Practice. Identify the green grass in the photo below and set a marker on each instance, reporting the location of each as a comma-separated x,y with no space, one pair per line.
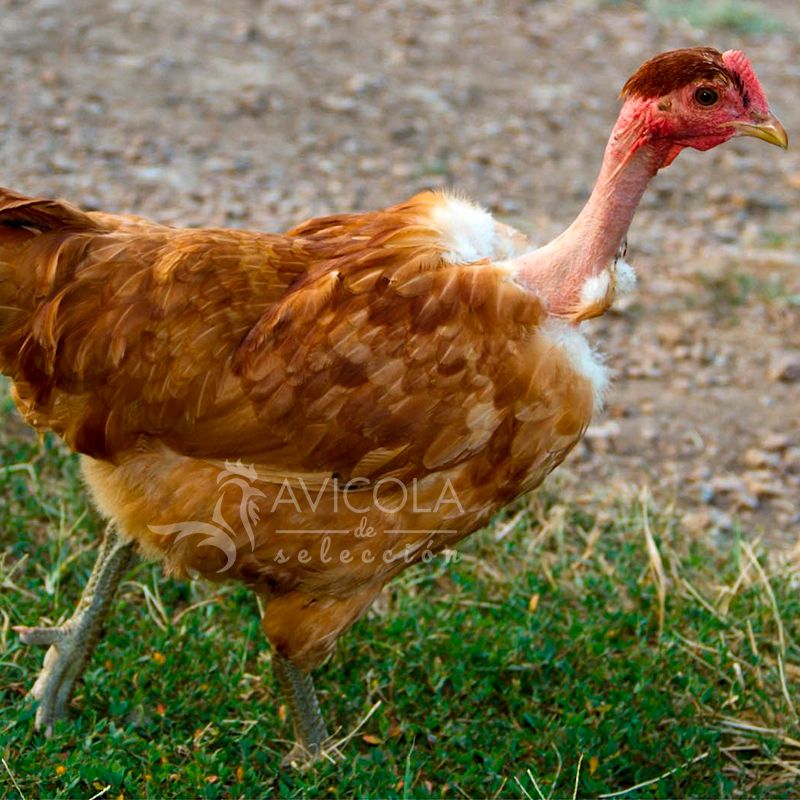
731,16
534,661
734,288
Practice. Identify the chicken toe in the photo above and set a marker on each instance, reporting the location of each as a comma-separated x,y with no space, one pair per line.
70,644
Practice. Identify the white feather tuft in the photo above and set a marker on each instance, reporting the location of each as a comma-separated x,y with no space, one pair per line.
468,232
595,288
626,277
582,356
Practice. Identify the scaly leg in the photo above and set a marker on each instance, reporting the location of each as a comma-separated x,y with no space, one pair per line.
309,727
71,644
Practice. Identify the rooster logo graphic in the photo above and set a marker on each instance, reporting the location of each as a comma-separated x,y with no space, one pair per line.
218,533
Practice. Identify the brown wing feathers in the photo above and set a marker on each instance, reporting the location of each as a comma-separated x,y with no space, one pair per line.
99,313
339,346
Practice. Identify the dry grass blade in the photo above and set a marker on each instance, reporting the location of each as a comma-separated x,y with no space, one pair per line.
509,526
558,772
525,791
179,615
155,607
770,594
785,765
760,730
535,784
577,777
728,593
7,583
499,792
483,567
785,687
778,624
335,746
5,627
22,467
761,768
703,602
655,780
553,521
586,556
656,564
703,663
13,779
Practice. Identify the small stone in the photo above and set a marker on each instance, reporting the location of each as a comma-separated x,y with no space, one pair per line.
791,460
61,164
696,522
649,431
774,442
237,211
747,500
754,458
603,430
338,103
149,174
761,484
616,411
785,367
727,484
670,334
736,489
51,77
246,32
720,519
361,82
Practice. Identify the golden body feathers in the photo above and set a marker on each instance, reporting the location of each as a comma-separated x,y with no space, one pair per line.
327,405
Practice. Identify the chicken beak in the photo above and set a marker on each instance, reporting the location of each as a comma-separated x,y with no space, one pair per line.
768,129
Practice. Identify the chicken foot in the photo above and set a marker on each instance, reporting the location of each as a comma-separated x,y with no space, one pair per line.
70,644
309,727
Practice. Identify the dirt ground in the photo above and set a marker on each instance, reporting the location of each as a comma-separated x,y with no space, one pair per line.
259,114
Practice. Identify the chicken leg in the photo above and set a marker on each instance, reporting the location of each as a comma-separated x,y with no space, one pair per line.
309,727
71,643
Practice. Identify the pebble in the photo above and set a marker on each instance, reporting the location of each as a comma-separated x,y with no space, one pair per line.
670,333
775,442
791,460
756,459
785,367
608,429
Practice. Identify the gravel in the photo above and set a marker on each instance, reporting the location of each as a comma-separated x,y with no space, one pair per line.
259,114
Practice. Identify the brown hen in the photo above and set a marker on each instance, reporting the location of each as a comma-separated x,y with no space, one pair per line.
310,413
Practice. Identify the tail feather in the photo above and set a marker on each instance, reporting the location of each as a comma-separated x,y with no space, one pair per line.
34,232
37,214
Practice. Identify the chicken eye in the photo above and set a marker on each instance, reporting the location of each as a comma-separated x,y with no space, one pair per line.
706,96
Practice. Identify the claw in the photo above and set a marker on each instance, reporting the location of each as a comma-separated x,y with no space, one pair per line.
40,636
70,644
63,664
302,758
299,758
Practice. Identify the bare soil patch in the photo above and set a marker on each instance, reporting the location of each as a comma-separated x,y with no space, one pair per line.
259,114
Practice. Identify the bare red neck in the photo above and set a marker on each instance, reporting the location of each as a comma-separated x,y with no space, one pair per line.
558,271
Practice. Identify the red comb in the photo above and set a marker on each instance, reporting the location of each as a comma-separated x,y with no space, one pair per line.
737,63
